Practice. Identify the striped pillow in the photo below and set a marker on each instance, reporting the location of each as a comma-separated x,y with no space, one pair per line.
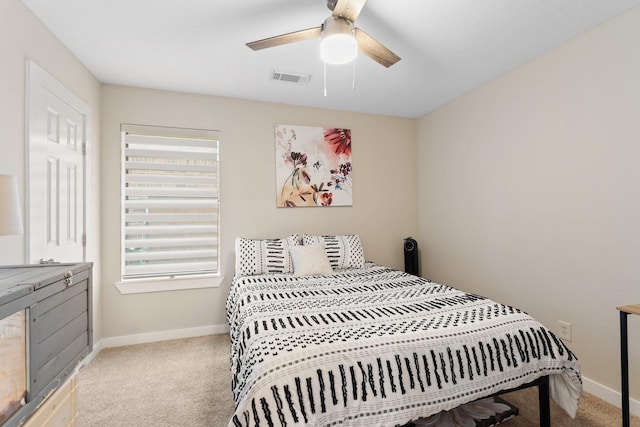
264,256
343,251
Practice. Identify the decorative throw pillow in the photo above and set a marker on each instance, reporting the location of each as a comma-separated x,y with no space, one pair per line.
310,260
264,256
343,251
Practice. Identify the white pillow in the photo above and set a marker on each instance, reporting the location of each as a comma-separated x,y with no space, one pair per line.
310,260
264,256
344,251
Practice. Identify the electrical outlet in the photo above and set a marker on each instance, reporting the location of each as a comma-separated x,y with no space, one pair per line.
565,330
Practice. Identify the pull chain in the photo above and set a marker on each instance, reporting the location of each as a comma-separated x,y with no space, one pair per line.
353,69
324,64
354,74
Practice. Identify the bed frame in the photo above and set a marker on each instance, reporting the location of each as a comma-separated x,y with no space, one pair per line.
543,398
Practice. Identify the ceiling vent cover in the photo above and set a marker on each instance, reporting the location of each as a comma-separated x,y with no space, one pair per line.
290,77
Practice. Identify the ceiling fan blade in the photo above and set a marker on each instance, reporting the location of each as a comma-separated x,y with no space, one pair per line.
349,9
296,36
375,50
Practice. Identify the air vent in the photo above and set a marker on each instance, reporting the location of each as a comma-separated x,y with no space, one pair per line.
290,77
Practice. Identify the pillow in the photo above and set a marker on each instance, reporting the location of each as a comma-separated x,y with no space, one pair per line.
310,260
343,251
264,256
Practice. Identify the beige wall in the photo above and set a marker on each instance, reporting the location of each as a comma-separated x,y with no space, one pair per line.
384,187
22,37
529,192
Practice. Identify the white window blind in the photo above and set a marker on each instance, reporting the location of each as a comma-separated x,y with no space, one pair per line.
169,201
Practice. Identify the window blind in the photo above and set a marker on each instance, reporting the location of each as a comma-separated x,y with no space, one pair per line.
170,203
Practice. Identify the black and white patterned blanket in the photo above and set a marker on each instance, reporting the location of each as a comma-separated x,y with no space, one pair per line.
379,347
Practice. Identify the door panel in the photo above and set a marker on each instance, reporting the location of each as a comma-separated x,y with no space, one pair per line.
52,202
57,123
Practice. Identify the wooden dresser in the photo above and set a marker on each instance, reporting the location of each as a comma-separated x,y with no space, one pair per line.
57,302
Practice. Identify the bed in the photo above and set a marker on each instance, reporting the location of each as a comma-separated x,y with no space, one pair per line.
320,337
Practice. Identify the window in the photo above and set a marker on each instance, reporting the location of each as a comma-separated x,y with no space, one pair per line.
170,206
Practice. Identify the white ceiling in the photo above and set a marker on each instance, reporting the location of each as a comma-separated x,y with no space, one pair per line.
448,47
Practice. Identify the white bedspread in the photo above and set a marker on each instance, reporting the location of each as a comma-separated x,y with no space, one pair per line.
379,347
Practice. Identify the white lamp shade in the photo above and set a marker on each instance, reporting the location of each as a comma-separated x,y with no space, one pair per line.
10,217
338,44
338,49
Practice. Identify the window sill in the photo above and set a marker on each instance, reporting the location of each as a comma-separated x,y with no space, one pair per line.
141,286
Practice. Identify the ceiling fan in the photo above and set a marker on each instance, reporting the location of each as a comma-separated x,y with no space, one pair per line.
338,27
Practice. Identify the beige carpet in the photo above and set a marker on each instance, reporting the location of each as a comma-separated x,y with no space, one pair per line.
186,383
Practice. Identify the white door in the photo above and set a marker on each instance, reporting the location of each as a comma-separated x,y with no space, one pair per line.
56,138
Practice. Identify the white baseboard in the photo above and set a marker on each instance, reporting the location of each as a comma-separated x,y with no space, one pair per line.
157,336
609,395
97,348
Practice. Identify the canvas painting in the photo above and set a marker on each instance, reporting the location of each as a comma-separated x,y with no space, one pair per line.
313,166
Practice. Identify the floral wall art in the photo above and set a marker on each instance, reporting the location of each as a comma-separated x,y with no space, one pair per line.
313,166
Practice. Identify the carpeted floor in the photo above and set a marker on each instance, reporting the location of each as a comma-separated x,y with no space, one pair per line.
186,383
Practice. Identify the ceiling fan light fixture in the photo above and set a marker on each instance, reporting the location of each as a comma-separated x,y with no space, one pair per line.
341,40
338,44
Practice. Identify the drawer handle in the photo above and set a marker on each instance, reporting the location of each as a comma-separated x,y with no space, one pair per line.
68,278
